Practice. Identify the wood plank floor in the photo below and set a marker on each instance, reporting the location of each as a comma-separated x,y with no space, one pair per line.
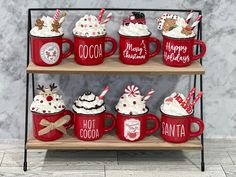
220,161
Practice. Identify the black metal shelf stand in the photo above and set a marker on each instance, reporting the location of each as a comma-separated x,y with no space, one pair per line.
197,50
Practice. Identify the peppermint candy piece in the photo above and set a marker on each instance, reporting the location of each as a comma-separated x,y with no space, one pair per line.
132,90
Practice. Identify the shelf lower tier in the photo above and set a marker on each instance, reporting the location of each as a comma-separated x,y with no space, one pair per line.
113,65
111,142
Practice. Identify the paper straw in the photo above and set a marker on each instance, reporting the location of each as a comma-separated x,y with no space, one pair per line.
56,16
149,94
108,17
190,95
103,93
189,17
101,15
195,23
196,99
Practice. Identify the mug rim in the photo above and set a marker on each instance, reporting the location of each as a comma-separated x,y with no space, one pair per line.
185,38
45,36
90,37
48,113
175,115
88,114
150,33
134,115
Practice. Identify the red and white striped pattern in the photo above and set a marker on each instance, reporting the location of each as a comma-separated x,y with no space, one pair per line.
196,99
101,15
190,95
189,17
132,90
195,23
149,94
56,16
108,17
104,92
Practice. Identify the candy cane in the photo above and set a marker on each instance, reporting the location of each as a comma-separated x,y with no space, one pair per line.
195,23
189,17
101,15
149,94
108,17
103,93
56,16
190,95
196,99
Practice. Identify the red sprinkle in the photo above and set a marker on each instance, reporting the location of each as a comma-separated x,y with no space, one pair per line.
33,108
130,113
44,111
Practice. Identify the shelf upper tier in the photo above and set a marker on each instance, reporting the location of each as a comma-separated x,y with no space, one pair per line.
113,65
111,142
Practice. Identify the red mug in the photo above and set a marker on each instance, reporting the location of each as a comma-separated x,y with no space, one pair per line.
134,50
134,127
90,127
50,119
179,51
91,50
47,51
177,129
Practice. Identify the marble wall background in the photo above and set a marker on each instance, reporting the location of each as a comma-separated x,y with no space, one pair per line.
219,34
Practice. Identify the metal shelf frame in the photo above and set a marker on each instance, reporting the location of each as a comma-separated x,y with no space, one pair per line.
30,10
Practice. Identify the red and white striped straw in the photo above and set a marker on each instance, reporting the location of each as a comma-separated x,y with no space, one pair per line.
189,17
103,93
101,15
195,23
56,16
149,94
196,99
108,17
190,95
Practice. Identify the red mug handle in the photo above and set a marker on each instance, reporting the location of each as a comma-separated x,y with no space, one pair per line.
156,121
203,46
200,124
158,46
71,121
113,124
71,47
114,46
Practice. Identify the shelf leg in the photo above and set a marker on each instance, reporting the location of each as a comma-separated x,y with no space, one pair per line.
202,136
26,122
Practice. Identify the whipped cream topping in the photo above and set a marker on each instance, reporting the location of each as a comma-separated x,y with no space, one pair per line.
176,32
172,107
88,103
46,30
41,105
132,29
89,26
131,102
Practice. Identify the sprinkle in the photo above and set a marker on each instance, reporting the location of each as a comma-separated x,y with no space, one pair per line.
124,105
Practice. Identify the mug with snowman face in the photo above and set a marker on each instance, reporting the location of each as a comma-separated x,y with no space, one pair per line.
47,51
